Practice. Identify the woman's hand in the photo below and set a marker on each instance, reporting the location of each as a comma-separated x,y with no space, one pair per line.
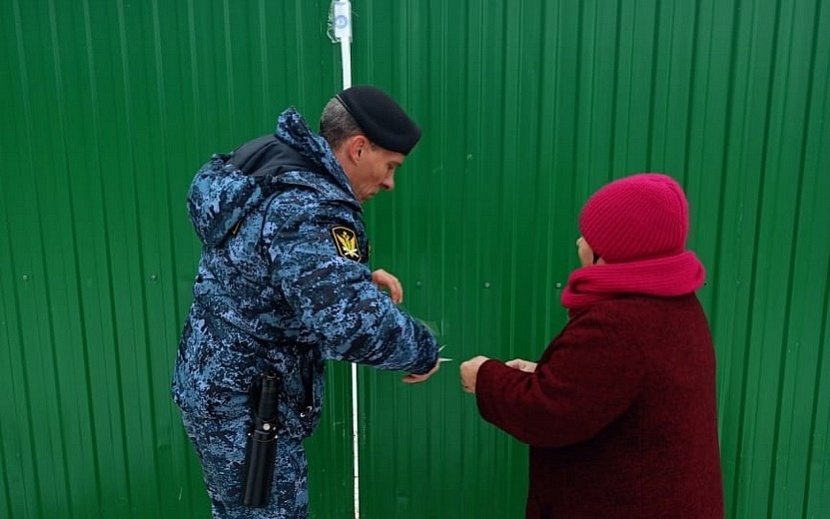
522,365
469,372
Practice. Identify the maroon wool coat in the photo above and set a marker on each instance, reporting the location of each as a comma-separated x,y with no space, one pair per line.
620,414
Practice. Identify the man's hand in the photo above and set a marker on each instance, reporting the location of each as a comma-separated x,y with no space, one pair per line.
469,373
415,379
385,280
522,365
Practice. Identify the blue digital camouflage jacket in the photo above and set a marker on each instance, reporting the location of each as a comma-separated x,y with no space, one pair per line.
283,285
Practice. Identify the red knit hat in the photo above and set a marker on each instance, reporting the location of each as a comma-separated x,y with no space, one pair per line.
635,218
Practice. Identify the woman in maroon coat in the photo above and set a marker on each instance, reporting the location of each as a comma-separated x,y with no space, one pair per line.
619,411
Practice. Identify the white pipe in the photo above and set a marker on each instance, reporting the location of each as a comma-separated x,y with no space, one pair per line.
342,23
346,58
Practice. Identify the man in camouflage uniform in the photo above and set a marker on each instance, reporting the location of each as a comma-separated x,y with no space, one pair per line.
283,285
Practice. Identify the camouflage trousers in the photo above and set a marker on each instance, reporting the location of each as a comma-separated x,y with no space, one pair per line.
221,446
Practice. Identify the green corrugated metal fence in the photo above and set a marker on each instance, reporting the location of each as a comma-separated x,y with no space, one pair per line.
527,107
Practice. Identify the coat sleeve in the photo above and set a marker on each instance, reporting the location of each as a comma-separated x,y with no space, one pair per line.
334,297
591,376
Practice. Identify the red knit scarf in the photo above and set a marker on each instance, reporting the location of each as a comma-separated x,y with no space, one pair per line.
663,277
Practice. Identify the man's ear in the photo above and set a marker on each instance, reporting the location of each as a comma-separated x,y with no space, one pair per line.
356,147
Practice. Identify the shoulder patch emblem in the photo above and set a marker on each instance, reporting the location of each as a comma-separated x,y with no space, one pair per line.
345,241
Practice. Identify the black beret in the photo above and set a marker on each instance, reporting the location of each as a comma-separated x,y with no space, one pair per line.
381,119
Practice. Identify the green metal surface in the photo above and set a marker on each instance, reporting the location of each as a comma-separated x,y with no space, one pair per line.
527,107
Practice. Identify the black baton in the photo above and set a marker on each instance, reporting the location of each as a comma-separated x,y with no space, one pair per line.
262,444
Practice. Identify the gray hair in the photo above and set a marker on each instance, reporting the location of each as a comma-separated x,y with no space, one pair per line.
337,124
